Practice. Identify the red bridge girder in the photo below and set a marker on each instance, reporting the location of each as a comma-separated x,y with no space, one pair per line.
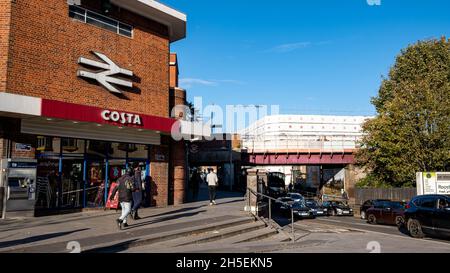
298,159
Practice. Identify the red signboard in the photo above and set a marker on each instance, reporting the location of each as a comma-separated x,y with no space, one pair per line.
83,113
115,203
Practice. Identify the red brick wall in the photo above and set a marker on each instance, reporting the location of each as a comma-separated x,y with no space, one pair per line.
46,44
5,16
178,155
173,70
160,176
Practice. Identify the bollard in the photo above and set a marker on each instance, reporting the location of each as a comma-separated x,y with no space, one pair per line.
293,232
270,212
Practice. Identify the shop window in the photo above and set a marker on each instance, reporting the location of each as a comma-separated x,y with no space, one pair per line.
44,144
69,145
92,18
127,147
99,147
140,152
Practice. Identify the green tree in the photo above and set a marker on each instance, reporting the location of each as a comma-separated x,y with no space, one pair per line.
411,132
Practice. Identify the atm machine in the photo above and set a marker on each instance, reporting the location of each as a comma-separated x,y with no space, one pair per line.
18,178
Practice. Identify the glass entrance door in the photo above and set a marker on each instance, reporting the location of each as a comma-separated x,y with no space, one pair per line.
72,184
95,188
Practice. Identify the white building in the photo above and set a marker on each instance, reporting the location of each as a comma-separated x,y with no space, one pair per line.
303,132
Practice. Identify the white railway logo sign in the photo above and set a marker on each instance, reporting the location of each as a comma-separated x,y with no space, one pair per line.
107,77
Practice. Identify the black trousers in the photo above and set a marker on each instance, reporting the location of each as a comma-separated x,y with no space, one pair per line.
212,193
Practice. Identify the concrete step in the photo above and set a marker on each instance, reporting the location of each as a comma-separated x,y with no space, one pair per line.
116,246
278,237
216,235
254,236
262,236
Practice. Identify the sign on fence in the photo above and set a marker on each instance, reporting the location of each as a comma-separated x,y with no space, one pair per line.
433,183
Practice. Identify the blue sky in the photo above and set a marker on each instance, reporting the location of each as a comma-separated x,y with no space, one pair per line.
308,56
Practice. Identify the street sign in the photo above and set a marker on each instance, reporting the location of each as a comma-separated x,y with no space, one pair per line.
433,183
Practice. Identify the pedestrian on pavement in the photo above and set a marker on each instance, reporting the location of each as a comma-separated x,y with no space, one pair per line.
125,190
344,194
213,182
291,187
137,193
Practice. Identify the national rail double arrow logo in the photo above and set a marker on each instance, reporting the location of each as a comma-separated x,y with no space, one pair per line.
105,78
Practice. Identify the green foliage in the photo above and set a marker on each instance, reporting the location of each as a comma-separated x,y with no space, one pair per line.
411,132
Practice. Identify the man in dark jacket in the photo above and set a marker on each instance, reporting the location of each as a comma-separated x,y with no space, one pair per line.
137,193
125,188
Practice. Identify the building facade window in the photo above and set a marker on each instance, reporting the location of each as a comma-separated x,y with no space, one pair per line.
93,18
78,173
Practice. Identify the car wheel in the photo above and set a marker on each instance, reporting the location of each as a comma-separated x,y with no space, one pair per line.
363,215
415,229
371,219
400,221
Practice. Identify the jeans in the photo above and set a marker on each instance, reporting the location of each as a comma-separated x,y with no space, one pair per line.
126,209
212,193
137,200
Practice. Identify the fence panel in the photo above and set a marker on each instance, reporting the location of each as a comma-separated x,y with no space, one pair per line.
394,194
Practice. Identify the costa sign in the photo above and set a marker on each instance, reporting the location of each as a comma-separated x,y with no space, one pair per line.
121,117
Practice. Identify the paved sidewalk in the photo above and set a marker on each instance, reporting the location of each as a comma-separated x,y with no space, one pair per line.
52,233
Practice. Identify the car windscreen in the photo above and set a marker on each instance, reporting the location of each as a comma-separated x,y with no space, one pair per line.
296,196
311,204
395,205
298,205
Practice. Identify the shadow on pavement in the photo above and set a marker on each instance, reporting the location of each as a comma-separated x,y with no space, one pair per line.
203,195
38,238
174,212
113,248
132,226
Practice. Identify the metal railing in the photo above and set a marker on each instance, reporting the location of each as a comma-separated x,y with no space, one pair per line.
260,198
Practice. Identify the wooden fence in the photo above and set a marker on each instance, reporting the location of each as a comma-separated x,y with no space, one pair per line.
394,194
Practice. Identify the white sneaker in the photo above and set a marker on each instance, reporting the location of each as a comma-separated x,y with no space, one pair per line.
214,202
210,204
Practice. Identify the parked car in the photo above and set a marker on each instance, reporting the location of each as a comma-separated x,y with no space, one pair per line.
428,215
281,200
369,204
387,212
299,207
296,196
276,185
317,208
338,208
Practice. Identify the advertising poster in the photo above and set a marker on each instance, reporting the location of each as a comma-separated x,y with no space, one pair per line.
443,183
429,183
115,203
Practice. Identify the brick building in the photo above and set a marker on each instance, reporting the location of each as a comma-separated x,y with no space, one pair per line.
86,89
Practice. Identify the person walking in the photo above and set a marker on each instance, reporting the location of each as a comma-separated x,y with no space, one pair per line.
125,189
137,193
213,182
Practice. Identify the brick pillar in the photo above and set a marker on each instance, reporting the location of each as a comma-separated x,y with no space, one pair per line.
252,184
177,102
179,171
352,175
178,150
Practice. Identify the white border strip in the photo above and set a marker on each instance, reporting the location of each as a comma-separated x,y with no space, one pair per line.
19,104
